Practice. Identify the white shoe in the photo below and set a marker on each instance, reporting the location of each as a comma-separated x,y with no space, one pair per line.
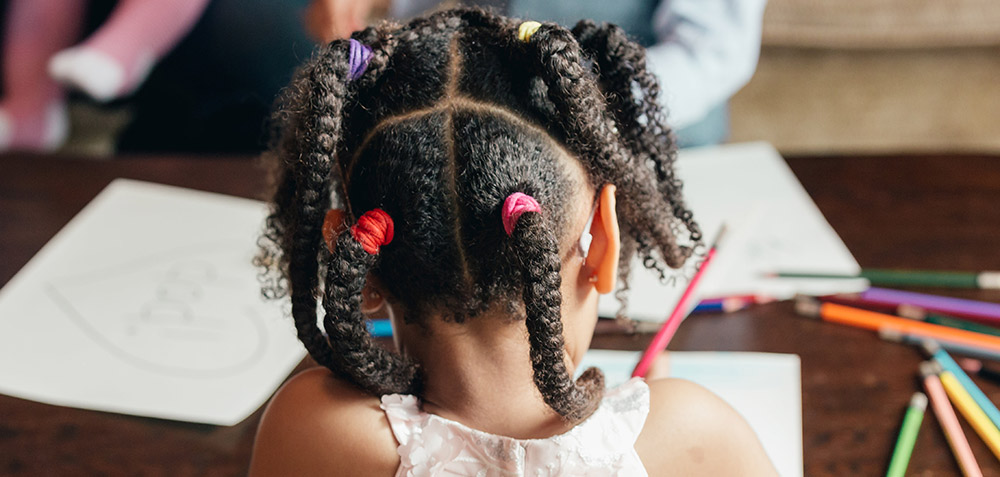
55,133
91,71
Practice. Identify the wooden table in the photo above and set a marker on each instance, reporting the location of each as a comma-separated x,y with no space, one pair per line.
920,212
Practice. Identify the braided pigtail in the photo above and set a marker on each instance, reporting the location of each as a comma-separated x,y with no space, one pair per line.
538,253
356,357
621,67
590,131
323,82
312,114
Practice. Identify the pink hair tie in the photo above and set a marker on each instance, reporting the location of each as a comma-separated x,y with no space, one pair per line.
516,204
373,230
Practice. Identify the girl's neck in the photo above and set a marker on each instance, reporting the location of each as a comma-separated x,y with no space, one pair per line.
479,373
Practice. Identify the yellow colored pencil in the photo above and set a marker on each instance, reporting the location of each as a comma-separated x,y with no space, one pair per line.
972,412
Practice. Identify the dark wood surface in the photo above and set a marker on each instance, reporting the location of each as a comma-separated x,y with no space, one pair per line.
919,212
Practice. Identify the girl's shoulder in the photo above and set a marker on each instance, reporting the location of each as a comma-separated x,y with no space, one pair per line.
317,424
691,431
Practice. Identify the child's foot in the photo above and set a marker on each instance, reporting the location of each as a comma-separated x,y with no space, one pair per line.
98,74
36,130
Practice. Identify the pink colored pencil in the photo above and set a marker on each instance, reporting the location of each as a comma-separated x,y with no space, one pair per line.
683,308
949,422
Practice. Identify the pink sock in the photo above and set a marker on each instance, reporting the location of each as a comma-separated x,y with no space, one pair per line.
33,108
116,59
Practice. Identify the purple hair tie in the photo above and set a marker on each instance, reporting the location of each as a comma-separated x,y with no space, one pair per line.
358,58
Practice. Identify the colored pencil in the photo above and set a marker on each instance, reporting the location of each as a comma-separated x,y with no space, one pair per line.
972,413
944,359
871,320
971,323
853,300
907,435
723,305
970,365
980,369
912,312
952,322
949,421
381,328
991,353
681,310
979,310
910,278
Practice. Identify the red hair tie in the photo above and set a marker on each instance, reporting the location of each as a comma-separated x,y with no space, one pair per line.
514,206
373,230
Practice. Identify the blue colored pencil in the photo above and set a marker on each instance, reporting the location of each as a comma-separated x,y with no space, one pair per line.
380,328
949,364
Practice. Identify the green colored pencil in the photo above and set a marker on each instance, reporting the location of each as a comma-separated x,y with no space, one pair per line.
916,278
961,324
907,435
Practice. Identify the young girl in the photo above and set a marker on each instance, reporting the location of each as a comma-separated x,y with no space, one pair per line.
480,181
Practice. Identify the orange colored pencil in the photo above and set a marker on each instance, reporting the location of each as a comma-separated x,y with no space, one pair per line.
874,321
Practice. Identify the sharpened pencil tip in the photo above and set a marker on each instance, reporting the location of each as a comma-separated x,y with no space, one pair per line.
807,306
930,347
911,312
890,334
919,400
929,368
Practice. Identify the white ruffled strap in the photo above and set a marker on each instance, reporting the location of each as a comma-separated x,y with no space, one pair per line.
403,413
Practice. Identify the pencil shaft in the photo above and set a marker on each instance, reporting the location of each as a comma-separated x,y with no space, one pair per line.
921,278
874,321
961,324
972,413
982,401
722,305
947,305
708,307
907,439
380,328
662,338
952,428
976,350
915,278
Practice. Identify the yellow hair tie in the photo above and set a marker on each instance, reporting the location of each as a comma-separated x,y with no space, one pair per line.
526,30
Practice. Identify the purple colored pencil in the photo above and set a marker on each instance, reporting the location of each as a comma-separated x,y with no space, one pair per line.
979,310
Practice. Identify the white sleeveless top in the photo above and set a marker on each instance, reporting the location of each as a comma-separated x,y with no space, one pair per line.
601,445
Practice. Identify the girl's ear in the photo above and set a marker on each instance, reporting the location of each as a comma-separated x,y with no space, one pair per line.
602,257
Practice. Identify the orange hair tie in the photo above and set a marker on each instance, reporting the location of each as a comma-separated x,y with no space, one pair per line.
333,223
373,230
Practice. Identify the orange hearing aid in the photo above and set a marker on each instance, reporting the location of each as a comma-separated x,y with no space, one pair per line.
606,221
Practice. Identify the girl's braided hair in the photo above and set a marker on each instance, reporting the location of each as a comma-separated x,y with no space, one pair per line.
453,114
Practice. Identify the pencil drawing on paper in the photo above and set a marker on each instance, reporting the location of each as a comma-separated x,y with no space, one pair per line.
191,311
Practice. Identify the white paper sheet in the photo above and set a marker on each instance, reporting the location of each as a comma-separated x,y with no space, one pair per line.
147,303
772,225
765,388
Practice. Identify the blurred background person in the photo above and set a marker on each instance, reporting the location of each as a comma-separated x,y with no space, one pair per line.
210,70
39,61
702,51
166,75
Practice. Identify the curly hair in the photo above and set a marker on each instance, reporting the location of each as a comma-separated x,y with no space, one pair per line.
453,114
